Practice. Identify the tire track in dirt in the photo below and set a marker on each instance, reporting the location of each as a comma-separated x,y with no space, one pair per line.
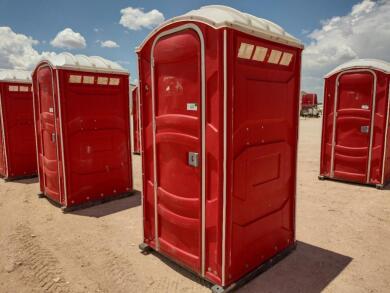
120,275
181,281
40,268
172,284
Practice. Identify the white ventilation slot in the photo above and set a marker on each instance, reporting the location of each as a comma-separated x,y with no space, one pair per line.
102,80
88,79
114,81
245,51
13,88
74,78
260,53
23,88
286,59
274,57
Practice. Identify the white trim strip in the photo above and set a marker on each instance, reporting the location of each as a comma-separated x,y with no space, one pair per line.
203,90
385,143
372,127
156,230
15,81
3,135
36,133
335,120
138,99
62,141
40,131
224,187
140,149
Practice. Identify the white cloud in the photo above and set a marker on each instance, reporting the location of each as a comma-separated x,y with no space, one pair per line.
109,44
136,18
16,50
69,39
123,62
363,33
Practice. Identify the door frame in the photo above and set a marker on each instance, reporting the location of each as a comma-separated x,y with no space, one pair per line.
55,126
180,28
3,136
65,196
371,122
386,130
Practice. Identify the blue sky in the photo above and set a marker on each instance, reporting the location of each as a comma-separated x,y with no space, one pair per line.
98,21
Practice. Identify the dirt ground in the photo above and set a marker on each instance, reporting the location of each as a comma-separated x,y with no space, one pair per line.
343,234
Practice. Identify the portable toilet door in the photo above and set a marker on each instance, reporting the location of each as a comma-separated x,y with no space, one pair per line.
354,139
135,118
219,94
82,129
17,135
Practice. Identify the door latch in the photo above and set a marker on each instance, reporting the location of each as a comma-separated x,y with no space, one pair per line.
53,137
193,159
364,129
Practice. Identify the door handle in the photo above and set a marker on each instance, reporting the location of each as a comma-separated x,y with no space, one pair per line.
53,137
193,159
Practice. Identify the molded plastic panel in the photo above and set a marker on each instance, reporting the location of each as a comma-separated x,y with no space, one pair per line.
48,134
178,133
265,129
353,126
96,134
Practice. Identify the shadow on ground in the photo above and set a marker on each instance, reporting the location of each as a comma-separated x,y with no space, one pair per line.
111,207
307,269
31,180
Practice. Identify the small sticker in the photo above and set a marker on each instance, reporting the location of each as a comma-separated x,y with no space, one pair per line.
51,110
364,129
365,107
192,107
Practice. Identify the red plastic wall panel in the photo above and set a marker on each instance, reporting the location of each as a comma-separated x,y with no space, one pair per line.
19,136
353,125
256,224
135,117
83,135
309,100
264,111
96,138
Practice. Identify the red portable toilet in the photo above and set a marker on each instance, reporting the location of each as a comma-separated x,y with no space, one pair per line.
354,141
220,96
309,104
135,117
309,100
82,129
17,138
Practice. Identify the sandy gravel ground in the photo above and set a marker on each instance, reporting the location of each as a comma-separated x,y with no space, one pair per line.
343,232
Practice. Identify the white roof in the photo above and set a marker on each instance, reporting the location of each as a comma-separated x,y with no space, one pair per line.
11,75
362,63
83,63
219,16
